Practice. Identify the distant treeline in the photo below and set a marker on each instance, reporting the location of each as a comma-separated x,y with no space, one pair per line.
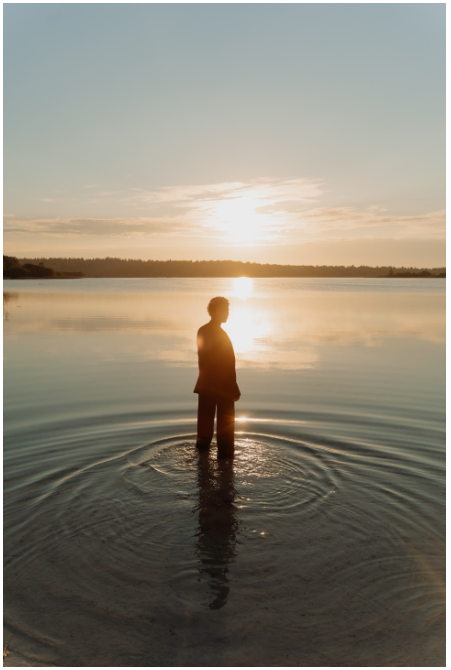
118,267
12,269
421,275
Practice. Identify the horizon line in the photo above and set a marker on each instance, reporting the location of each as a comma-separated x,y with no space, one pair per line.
173,260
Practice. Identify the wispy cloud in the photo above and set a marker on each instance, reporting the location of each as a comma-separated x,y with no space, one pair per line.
266,189
263,211
93,227
374,221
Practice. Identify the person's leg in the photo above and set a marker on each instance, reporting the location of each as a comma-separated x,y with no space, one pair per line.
225,431
205,421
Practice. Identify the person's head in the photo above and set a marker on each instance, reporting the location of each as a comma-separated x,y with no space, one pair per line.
218,309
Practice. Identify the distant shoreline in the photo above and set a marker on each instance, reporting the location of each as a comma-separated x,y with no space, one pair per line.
232,277
411,275
118,268
34,278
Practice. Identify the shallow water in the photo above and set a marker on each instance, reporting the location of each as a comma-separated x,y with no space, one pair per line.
321,545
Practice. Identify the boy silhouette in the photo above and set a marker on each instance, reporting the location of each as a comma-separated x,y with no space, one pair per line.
216,384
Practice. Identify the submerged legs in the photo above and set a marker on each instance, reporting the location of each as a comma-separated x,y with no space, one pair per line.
225,431
205,421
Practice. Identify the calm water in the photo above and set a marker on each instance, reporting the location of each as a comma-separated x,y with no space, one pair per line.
323,544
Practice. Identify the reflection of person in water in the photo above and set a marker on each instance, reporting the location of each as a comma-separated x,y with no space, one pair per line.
216,385
216,537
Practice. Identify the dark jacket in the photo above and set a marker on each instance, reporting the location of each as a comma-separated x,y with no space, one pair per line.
217,376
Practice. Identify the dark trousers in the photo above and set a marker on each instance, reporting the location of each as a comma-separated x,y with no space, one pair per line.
225,424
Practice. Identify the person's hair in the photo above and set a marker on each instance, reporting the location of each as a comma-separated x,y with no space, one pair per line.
216,303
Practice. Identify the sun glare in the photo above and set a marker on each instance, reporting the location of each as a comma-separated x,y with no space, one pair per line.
243,287
246,328
240,219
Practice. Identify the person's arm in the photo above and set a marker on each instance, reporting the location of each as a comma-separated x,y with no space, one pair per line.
200,342
235,390
237,393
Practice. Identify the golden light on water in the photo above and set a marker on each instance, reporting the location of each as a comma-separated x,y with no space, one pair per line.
243,287
245,325
247,328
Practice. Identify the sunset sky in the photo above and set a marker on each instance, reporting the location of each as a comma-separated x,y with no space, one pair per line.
277,133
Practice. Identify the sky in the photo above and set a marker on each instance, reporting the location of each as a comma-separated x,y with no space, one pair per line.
274,133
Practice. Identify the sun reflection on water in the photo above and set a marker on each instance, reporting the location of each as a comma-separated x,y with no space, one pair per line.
243,287
247,328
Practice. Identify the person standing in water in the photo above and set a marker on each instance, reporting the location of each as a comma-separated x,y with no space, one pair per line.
216,384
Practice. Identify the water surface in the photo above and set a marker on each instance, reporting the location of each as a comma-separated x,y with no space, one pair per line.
323,542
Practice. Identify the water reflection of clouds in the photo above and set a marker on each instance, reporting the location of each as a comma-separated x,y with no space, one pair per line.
287,330
248,328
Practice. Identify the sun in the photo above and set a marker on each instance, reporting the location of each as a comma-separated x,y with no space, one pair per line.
239,219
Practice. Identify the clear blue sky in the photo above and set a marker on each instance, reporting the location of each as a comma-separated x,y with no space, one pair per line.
305,133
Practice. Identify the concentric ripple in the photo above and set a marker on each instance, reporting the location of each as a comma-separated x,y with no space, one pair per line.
151,546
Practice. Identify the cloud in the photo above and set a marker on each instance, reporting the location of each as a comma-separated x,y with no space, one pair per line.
373,221
205,210
93,227
196,197
259,212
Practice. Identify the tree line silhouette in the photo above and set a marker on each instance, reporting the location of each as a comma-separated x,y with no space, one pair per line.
119,267
12,269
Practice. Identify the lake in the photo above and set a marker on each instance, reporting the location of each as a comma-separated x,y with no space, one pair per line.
323,544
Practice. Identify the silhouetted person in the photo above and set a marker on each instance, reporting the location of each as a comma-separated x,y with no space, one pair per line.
216,385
